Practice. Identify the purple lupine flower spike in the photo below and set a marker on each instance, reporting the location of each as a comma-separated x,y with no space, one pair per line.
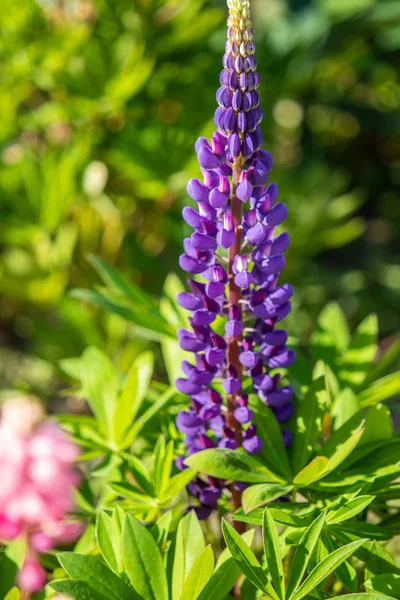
236,252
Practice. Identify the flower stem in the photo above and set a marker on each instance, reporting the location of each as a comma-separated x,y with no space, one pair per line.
235,296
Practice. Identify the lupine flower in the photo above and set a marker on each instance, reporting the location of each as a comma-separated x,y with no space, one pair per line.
38,481
235,250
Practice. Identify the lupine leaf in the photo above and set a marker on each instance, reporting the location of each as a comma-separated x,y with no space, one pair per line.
345,572
361,353
79,590
324,568
199,575
143,561
96,575
380,390
262,493
232,465
272,552
332,320
246,561
349,510
361,529
132,395
189,544
225,575
159,404
100,384
13,594
178,482
273,451
303,554
161,528
312,472
104,538
345,406
389,583
308,419
373,596
11,562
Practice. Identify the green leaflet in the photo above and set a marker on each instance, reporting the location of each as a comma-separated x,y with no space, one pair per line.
101,581
308,419
100,385
143,561
389,583
303,554
132,395
262,493
246,561
199,575
188,545
360,354
324,568
232,465
272,552
225,575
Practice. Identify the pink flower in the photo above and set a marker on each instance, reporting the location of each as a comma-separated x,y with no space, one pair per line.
32,577
39,477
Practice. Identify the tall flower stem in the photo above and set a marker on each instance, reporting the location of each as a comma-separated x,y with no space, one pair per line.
235,295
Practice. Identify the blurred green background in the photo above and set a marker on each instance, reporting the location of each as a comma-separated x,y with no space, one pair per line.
101,102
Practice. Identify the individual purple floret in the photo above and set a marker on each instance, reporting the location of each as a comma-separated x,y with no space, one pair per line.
235,250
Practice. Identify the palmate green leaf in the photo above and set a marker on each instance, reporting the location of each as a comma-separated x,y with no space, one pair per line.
98,577
272,552
389,583
232,465
273,452
308,418
360,354
324,568
349,509
199,575
246,561
262,493
380,390
100,385
303,554
225,575
143,561
187,547
132,395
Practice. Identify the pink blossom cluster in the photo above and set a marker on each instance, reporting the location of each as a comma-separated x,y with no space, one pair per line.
38,478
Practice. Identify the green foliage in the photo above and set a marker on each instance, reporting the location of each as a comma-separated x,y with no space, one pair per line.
101,103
